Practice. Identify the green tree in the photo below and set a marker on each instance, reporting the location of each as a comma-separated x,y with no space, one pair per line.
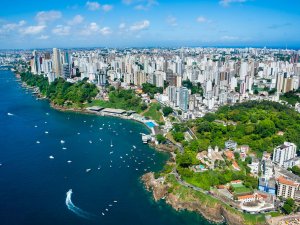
161,139
167,110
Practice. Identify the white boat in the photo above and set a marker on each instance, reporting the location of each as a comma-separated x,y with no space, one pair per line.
64,148
103,214
111,145
90,142
134,146
69,161
51,157
38,142
10,114
62,141
88,170
115,201
111,152
46,132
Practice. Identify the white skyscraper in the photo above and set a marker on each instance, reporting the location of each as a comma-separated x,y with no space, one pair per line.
285,154
57,66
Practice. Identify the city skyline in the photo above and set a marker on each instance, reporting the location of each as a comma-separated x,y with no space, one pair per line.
139,23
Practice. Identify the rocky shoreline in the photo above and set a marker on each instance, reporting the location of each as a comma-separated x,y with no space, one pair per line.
214,212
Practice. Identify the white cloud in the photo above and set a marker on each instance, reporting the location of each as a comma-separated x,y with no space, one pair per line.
32,29
226,3
105,31
94,28
201,19
172,21
122,25
145,4
47,16
76,20
11,26
61,30
229,38
140,25
107,8
93,5
43,37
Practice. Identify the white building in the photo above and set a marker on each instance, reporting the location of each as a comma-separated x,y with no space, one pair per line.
286,188
285,155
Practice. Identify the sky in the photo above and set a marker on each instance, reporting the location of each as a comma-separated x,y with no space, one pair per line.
149,23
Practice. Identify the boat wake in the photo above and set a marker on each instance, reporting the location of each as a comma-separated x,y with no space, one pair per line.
75,209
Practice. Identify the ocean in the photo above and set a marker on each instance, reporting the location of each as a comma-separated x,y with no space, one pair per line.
60,168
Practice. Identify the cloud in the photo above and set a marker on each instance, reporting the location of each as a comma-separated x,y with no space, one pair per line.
94,28
122,25
12,26
43,37
229,38
107,7
226,3
47,16
277,26
93,6
142,25
105,31
172,21
146,4
32,29
76,20
202,19
61,30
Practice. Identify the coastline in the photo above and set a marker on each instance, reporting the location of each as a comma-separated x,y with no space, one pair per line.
216,213
183,198
79,110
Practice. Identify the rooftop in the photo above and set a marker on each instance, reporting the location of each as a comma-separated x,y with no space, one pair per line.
282,180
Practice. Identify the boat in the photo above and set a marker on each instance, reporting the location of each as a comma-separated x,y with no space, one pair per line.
88,170
62,141
38,142
10,114
111,152
69,161
111,145
134,146
51,157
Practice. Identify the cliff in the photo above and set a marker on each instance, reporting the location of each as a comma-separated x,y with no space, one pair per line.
181,198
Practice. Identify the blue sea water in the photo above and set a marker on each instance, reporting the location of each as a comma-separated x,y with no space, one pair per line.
35,189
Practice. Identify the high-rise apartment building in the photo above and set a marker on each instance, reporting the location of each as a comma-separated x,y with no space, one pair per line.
284,154
57,65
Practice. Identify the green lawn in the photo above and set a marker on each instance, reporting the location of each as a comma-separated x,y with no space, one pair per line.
242,190
120,99
153,113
